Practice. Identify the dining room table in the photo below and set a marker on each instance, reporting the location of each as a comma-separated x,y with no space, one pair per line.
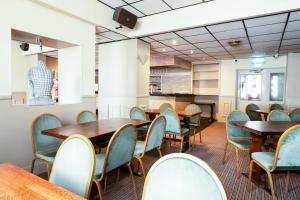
259,130
16,183
263,113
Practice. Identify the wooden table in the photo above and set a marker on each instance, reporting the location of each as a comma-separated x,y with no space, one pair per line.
265,113
259,130
16,183
212,108
98,131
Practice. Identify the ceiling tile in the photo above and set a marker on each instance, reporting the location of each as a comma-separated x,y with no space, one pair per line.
290,42
234,52
264,38
134,11
198,55
179,41
290,51
195,51
200,38
194,31
178,4
164,49
172,53
259,21
208,44
291,35
266,29
226,26
294,16
238,33
242,55
114,3
240,47
149,7
164,36
293,26
223,57
147,39
156,44
214,49
222,53
100,29
184,47
242,40
266,44
113,35
290,47
266,49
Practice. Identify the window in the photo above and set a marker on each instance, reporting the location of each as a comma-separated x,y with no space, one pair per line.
250,88
276,86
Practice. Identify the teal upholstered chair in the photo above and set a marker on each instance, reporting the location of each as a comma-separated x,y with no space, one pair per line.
138,113
237,137
173,126
194,121
182,176
44,147
74,164
295,115
119,152
250,111
164,106
278,115
276,106
286,158
153,140
86,116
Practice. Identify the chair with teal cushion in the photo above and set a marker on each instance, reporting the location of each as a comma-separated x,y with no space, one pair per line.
44,147
119,152
237,137
153,140
286,158
278,115
86,116
182,176
164,106
295,115
173,126
250,111
138,113
276,106
194,121
74,164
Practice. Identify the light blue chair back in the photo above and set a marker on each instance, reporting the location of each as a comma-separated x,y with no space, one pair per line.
295,115
182,176
278,115
120,148
194,108
288,149
276,106
74,165
173,123
43,143
165,106
233,131
155,133
137,113
86,116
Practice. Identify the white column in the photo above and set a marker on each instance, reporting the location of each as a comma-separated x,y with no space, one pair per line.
292,81
5,61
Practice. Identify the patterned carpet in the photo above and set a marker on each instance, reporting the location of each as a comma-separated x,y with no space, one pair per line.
211,151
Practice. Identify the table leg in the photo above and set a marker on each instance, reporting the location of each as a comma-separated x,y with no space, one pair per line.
151,116
256,146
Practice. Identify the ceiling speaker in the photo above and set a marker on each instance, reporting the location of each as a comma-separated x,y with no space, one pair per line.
125,17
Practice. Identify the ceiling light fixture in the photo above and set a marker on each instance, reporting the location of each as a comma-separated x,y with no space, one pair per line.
234,43
163,49
174,42
191,51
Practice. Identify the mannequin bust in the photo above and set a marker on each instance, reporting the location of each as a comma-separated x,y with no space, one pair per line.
40,84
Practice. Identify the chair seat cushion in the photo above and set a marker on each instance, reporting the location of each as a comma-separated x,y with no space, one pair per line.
184,131
49,157
99,164
243,144
143,128
139,148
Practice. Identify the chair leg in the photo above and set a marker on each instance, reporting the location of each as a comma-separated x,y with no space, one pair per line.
99,189
133,181
225,152
237,162
118,175
48,169
32,165
200,136
105,184
249,185
142,166
181,144
287,181
271,185
159,151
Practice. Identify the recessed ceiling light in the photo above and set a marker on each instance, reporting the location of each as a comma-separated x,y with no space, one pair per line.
191,51
163,49
234,43
174,42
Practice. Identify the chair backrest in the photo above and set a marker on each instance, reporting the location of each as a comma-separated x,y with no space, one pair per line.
233,131
155,133
278,115
295,115
137,113
250,110
74,164
120,148
276,106
173,123
165,106
288,149
182,176
86,116
194,108
43,143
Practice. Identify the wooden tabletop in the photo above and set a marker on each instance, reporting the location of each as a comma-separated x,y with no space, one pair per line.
181,113
97,131
264,127
16,183
262,111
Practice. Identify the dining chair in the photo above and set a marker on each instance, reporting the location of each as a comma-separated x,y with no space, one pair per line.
278,115
182,176
138,113
295,115
44,147
119,152
250,111
74,165
164,106
237,137
194,122
276,106
86,116
173,126
153,140
285,158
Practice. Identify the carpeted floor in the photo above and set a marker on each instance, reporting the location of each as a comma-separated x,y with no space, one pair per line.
211,151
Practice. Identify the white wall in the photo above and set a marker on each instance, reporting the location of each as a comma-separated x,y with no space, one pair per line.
293,75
